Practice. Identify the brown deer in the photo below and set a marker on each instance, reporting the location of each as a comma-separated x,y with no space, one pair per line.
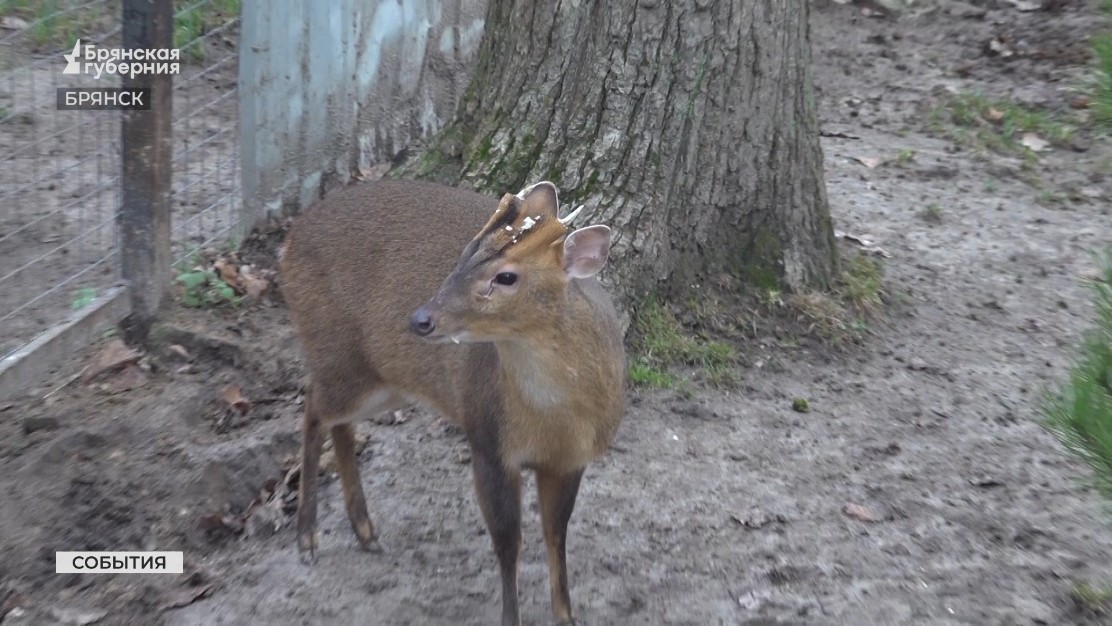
380,296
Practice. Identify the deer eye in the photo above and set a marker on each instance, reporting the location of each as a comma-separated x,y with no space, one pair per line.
506,278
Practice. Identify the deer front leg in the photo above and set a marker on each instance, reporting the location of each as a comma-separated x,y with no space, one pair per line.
556,495
499,492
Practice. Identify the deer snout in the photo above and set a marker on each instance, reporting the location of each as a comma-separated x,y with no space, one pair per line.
421,322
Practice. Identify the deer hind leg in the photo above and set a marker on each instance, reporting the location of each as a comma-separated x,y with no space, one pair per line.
307,492
347,465
381,400
319,412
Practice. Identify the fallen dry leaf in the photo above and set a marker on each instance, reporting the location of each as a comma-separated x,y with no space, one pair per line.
859,512
1034,142
373,172
12,602
11,22
180,351
997,46
994,115
233,396
185,597
78,617
869,162
218,522
254,286
131,377
229,273
867,245
114,355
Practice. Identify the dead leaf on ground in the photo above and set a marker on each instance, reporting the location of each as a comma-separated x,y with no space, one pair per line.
11,22
866,244
859,512
994,115
254,286
185,597
180,351
12,602
1034,143
114,355
130,377
373,172
227,270
78,617
869,162
996,45
756,519
220,522
233,396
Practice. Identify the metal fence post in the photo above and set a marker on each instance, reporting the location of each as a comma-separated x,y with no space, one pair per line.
144,218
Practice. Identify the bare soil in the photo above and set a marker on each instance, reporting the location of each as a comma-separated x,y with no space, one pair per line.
920,488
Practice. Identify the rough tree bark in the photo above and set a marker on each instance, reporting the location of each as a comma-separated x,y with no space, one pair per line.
688,126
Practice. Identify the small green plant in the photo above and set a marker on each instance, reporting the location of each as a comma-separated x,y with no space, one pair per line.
1102,93
1050,198
863,284
189,26
996,125
662,342
1096,600
643,374
931,213
905,156
801,405
203,288
1079,413
83,297
193,20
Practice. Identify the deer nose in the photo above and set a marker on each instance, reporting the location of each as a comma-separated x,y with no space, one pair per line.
421,322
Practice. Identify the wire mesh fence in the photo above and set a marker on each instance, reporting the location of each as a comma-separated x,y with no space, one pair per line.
206,196
59,172
60,183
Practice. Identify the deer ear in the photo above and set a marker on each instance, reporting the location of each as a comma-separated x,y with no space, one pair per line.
540,199
586,251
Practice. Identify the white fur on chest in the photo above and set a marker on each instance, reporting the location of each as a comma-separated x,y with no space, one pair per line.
530,374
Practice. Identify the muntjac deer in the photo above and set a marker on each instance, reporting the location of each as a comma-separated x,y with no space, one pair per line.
514,339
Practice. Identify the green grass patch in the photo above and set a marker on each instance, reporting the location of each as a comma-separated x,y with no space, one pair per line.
58,23
192,20
1102,93
643,374
662,342
931,213
1079,412
863,284
997,125
1094,599
841,315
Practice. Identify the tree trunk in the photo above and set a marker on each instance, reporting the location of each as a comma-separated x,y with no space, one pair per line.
687,126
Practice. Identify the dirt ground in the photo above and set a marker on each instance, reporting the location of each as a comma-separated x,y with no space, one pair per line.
726,507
